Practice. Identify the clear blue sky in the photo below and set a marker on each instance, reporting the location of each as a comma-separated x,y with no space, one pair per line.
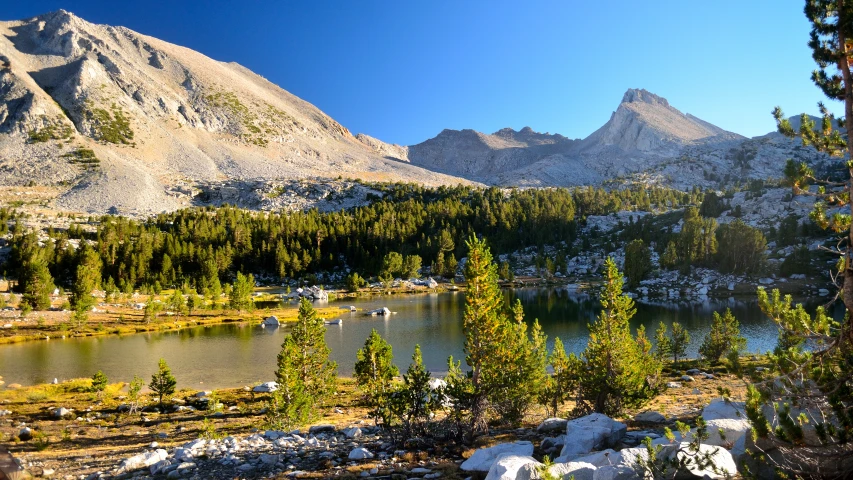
402,71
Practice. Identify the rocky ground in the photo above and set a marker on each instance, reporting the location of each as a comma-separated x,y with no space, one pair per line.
65,431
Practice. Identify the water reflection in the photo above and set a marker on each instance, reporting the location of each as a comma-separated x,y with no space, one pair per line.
240,354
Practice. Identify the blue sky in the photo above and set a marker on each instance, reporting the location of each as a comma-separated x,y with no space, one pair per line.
403,71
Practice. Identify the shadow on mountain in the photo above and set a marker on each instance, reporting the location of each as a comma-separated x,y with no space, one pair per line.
23,38
51,77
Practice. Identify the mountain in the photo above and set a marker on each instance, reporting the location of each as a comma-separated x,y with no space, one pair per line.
116,121
646,139
133,124
645,122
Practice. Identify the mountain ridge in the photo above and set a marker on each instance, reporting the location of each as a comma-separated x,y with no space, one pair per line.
124,122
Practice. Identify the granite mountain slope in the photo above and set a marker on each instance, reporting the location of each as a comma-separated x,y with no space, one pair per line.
133,124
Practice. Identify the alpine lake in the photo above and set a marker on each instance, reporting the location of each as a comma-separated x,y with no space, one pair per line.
233,355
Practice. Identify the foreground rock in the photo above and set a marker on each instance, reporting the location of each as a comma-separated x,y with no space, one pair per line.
589,433
514,467
482,459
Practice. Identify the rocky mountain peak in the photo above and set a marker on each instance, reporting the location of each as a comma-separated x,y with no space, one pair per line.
640,95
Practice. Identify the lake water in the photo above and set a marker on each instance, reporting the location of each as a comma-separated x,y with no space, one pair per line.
236,355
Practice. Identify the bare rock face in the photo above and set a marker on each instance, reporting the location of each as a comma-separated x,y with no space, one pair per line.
645,122
121,117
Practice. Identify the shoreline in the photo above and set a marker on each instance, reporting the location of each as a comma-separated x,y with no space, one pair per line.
121,319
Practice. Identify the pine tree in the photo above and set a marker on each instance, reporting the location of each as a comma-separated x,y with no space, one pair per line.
674,345
523,376
669,259
87,277
306,377
36,283
486,330
99,383
415,400
374,371
723,337
638,262
563,382
163,382
240,296
617,371
680,341
663,343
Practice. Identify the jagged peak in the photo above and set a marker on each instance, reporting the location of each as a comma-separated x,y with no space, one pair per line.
641,95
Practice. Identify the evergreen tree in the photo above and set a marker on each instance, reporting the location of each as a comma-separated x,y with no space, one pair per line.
638,262
505,272
523,376
669,259
617,371
663,343
163,382
563,382
415,401
486,330
306,377
86,278
99,383
354,282
193,302
680,341
36,283
240,296
392,265
177,302
741,248
674,345
723,338
411,266
374,371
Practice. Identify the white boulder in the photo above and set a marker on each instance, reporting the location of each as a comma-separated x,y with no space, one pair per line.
513,467
720,408
482,459
592,432
732,431
142,460
576,470
615,472
266,387
360,453
552,424
650,417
